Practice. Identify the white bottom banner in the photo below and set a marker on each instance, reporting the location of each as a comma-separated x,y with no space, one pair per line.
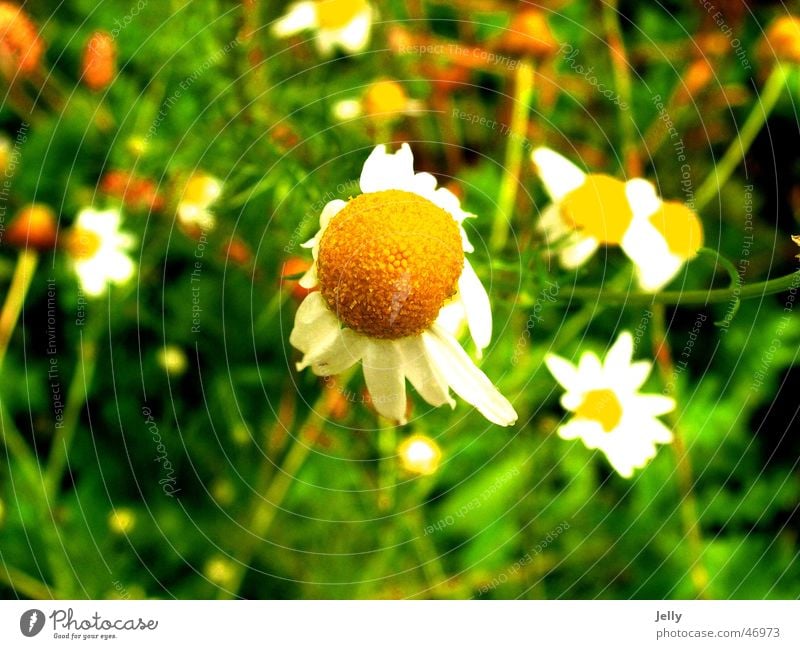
400,624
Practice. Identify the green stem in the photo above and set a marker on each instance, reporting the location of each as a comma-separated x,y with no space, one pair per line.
25,585
623,85
387,475
683,468
517,142
266,508
20,283
76,399
738,149
686,298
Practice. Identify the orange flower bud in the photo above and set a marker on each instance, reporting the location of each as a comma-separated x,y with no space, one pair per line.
99,64
295,266
698,76
782,40
33,227
238,252
21,48
529,35
135,192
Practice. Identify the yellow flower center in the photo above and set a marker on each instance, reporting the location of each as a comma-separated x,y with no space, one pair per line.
599,208
601,406
385,97
335,14
83,244
388,262
680,227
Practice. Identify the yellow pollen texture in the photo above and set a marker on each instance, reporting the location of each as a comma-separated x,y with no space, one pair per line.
599,208
83,244
680,227
601,406
388,262
335,14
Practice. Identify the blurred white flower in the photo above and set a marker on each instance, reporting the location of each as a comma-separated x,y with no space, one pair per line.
200,192
99,251
343,23
419,454
385,99
386,263
610,414
593,209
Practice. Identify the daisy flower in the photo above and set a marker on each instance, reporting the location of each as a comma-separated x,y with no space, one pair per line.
394,286
386,99
99,250
346,23
590,210
662,237
609,412
201,191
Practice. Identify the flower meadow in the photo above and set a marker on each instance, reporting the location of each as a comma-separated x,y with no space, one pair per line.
345,299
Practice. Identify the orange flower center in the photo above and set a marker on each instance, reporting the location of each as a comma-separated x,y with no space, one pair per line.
601,406
680,227
388,262
335,14
385,97
82,243
599,208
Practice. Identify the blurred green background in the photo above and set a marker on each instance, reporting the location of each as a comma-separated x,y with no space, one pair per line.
270,500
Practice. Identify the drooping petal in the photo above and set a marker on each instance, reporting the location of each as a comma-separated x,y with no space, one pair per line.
300,16
383,373
384,170
466,380
423,373
313,316
559,175
477,307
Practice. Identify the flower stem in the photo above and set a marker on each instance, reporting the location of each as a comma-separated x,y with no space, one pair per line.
25,585
76,399
517,142
20,283
266,507
688,503
622,82
687,298
736,152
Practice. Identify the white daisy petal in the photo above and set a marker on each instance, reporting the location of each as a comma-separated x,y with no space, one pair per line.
312,318
466,380
300,16
309,279
562,370
423,373
384,170
551,223
477,307
386,383
559,175
330,210
576,254
655,404
354,37
637,374
643,197
619,356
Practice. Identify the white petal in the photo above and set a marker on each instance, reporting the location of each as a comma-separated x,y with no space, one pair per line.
636,375
331,209
642,197
452,317
648,250
618,359
383,373
653,405
562,370
578,253
423,373
591,433
311,318
384,170
476,306
119,268
559,175
347,109
309,279
466,380
300,16
355,35
551,224
590,369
